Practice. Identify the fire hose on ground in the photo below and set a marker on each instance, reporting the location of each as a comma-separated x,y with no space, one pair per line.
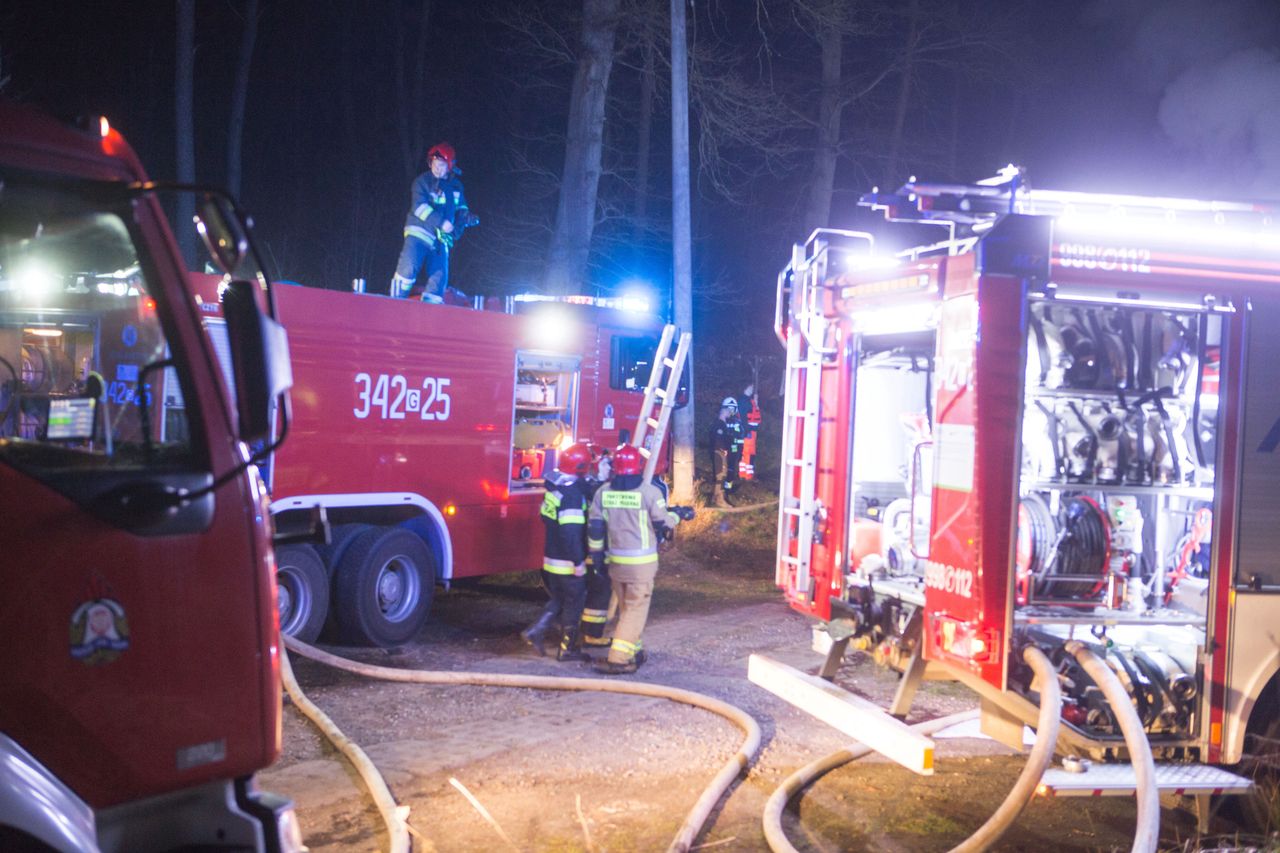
693,822
987,834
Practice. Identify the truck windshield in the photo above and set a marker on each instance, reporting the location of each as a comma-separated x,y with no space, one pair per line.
85,374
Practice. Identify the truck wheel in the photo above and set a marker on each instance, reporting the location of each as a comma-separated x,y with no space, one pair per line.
303,592
385,583
340,538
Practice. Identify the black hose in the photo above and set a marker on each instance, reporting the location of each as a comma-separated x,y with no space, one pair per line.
1201,337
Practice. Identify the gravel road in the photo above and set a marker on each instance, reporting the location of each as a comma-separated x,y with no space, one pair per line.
588,771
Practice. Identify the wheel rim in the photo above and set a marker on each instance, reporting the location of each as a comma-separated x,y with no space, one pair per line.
398,589
293,599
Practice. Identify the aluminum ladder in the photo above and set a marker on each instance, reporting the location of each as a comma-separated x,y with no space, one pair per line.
801,323
660,396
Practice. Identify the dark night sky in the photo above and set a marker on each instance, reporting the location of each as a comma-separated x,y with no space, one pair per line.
1156,96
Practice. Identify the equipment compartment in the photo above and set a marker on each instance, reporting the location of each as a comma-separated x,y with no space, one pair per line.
545,411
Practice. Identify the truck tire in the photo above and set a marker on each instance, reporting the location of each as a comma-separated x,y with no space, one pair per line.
303,592
340,538
385,582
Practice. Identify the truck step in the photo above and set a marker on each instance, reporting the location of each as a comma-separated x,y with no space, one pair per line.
1118,780
856,717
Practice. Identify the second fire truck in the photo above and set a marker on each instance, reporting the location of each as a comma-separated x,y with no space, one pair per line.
423,431
1056,420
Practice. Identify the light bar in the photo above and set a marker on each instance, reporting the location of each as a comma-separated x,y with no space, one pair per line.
634,304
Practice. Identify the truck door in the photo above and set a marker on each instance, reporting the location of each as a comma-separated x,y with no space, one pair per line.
114,602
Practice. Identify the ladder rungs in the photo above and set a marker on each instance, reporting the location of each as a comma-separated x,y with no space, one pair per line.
796,462
660,393
791,561
669,362
653,422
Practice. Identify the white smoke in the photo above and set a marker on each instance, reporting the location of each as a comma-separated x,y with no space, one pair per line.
1225,113
1212,67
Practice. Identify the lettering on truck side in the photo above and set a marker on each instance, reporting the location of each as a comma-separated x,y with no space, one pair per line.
949,579
1087,256
390,397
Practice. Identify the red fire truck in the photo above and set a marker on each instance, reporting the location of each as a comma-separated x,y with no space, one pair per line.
139,680
1059,421
424,431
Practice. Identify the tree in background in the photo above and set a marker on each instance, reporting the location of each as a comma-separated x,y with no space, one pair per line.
566,270
240,97
184,121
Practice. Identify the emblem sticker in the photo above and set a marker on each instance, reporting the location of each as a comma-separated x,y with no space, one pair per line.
99,631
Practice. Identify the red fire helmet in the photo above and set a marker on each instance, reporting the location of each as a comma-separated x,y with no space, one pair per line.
628,460
445,152
574,459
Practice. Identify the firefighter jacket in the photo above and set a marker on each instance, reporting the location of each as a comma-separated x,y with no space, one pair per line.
627,523
564,510
435,201
726,435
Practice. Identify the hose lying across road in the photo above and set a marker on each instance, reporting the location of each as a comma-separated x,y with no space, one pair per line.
999,822
702,808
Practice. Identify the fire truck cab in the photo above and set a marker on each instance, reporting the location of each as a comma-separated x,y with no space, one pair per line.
424,432
139,678
1059,421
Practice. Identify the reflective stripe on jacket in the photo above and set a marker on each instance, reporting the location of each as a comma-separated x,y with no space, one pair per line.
625,523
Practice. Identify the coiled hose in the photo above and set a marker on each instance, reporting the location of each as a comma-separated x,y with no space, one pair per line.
996,825
711,794
1147,834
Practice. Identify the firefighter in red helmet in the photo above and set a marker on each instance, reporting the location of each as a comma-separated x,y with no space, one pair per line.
628,518
564,510
437,217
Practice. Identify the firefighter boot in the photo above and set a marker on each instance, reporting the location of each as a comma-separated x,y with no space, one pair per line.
608,667
571,647
536,634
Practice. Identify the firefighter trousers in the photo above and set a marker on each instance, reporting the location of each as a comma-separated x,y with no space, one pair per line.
567,595
596,611
633,587
412,256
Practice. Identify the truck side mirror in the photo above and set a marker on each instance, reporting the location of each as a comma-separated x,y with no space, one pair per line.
259,359
222,232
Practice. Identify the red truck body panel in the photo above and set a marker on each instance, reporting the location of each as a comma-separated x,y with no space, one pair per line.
398,396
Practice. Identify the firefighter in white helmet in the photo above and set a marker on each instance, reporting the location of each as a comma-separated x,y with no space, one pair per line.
628,518
725,443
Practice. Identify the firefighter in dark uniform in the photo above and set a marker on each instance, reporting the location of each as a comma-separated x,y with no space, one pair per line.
596,612
564,509
725,443
627,519
437,216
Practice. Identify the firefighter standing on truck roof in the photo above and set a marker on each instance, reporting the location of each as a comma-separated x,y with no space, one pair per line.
563,571
438,215
725,443
628,518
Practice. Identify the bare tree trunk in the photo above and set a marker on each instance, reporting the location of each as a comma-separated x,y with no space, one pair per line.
683,436
644,132
830,110
904,93
411,94
184,124
239,98
418,109
576,214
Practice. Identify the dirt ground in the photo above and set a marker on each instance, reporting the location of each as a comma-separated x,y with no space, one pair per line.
588,771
